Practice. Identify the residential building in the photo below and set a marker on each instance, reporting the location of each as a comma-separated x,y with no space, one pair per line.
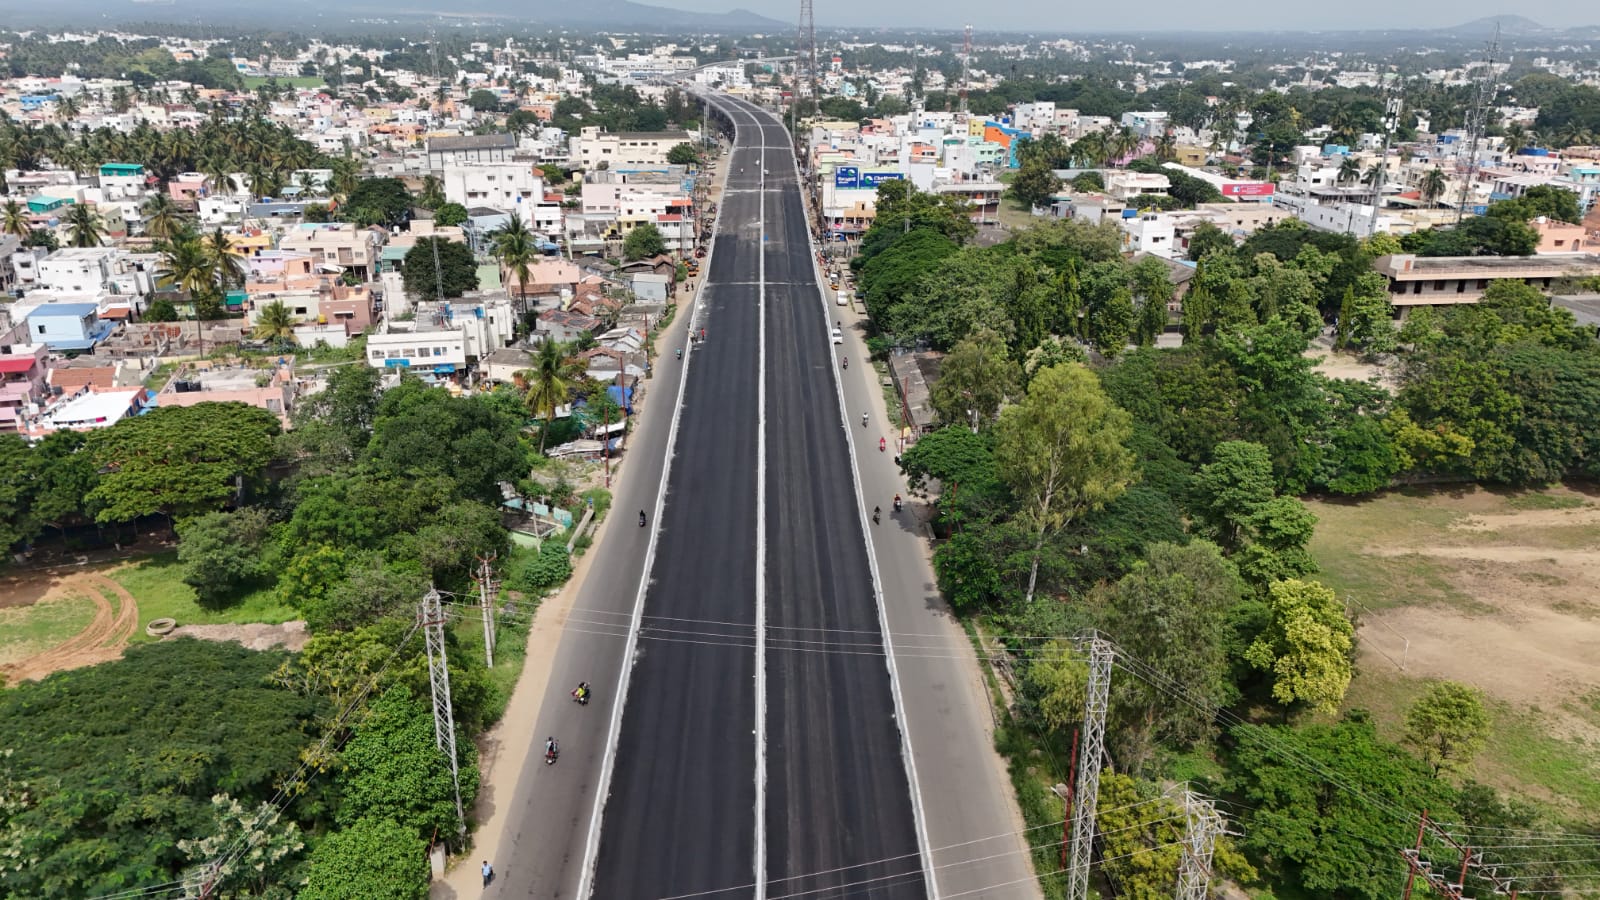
440,351
493,184
1126,186
594,146
336,246
1450,280
564,325
1561,237
122,181
87,411
1152,233
67,327
24,381
475,148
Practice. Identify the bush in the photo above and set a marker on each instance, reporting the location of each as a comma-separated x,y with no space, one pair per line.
547,571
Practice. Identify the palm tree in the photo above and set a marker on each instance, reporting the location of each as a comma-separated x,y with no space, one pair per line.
346,174
547,385
513,245
66,108
1166,147
84,226
432,196
162,217
228,269
14,220
186,265
1433,185
1517,137
1373,175
275,323
1349,170
308,184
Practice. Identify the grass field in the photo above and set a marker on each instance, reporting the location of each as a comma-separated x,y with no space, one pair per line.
157,584
26,630
1493,589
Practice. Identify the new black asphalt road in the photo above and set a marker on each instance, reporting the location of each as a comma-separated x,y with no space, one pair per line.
757,739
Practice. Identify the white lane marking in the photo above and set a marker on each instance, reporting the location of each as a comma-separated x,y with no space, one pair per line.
761,552
917,813
591,848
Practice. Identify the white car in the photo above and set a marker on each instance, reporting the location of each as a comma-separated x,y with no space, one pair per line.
838,336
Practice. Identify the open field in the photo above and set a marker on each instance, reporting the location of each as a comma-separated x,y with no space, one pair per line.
157,583
1493,589
251,82
55,630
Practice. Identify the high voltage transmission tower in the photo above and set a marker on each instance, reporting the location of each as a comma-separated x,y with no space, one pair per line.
1086,793
966,67
444,722
1471,860
805,54
487,590
1202,827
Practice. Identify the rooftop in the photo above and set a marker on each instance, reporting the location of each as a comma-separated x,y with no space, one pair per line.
76,310
1406,267
472,142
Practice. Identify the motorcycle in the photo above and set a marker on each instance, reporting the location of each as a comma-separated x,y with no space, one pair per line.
551,751
876,513
580,695
680,353
641,518
882,443
845,364
897,503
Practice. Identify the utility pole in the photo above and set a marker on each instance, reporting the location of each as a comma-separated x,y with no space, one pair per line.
486,593
1203,825
1091,758
431,617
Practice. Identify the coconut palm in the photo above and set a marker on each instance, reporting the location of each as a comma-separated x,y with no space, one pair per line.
1349,170
163,219
275,323
186,265
1373,175
346,174
1433,185
225,263
432,196
1124,143
14,219
547,385
514,246
309,184
85,228
1166,147
1517,137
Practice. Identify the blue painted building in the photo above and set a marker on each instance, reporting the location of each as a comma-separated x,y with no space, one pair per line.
67,327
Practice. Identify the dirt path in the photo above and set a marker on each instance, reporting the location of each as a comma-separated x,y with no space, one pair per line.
104,639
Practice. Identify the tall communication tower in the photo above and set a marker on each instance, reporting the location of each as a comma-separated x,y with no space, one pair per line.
1203,824
431,616
805,53
1478,118
966,67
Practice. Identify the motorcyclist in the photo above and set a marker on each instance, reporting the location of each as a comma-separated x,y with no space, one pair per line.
863,420
876,512
896,502
680,353
882,443
845,364
641,518
550,746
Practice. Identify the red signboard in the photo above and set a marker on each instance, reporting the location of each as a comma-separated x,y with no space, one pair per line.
1249,189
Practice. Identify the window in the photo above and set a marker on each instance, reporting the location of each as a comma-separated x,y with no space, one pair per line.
41,329
377,354
438,351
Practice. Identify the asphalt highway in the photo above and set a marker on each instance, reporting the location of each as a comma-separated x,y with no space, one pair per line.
758,751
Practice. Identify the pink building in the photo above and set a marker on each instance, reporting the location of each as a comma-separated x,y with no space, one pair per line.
1561,237
187,189
23,373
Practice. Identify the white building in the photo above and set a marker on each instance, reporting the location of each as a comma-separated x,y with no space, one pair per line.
1126,185
626,149
1151,233
500,185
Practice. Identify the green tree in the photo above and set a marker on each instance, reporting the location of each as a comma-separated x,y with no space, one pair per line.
378,201
447,215
85,227
976,378
483,101
14,220
1171,615
1154,288
222,551
1035,183
393,770
108,814
373,859
683,155
161,310
275,323
1088,182
1306,647
1063,452
1057,677
179,460
1143,832
516,248
547,570
1232,489
549,385
1448,725
456,273
643,242
1112,320
269,850
1208,239
163,219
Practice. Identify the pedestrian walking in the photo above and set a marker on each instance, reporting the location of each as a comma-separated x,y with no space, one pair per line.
488,873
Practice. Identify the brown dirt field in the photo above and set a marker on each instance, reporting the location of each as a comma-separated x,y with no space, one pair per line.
254,636
116,617
1523,624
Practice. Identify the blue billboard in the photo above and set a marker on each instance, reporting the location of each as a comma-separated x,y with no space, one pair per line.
847,177
873,179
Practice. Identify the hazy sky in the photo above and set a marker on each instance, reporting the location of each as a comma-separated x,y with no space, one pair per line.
1151,14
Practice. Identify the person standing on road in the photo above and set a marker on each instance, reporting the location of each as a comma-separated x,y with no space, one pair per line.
488,873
